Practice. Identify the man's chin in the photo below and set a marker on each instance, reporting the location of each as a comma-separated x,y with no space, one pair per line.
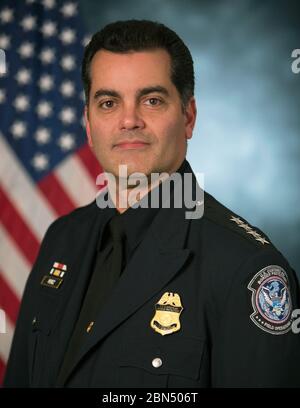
131,174
131,170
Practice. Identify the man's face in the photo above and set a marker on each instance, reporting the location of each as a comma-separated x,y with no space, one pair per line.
135,114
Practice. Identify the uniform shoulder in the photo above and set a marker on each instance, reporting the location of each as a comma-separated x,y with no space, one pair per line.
234,224
76,215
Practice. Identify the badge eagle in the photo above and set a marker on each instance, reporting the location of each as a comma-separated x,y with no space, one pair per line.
167,313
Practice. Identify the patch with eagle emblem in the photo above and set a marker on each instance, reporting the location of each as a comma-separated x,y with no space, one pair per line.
271,300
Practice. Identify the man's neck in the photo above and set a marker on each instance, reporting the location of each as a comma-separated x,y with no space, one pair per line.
126,198
127,195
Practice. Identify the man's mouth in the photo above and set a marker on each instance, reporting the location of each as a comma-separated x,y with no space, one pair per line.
131,144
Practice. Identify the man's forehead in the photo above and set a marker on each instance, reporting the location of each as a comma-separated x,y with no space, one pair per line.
152,57
140,69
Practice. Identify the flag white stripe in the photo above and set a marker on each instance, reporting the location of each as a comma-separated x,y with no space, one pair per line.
22,192
14,267
5,340
76,181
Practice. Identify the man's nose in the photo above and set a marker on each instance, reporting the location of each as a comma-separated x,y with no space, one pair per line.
131,118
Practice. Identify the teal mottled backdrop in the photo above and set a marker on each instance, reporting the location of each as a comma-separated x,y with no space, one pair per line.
247,139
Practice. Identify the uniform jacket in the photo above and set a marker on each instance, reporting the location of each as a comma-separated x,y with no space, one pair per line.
208,262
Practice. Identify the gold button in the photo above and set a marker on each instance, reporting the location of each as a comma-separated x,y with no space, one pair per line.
157,362
89,328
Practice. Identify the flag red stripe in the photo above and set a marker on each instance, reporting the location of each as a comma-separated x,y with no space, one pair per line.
18,229
2,371
9,302
89,161
56,195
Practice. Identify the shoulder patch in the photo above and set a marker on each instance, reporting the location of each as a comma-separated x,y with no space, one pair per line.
271,300
249,230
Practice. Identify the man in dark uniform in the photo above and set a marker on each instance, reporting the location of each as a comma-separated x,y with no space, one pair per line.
126,296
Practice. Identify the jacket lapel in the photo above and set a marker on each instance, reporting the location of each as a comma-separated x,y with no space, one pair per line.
81,257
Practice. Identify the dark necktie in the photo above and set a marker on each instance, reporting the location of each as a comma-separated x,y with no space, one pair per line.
117,233
105,275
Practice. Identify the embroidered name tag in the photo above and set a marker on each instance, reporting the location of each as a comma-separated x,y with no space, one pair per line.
51,281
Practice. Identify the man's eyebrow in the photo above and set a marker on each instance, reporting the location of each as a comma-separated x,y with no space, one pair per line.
153,89
141,92
106,92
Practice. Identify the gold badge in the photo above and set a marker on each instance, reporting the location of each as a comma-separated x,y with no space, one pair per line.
167,312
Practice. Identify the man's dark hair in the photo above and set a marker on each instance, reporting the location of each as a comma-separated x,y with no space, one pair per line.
141,35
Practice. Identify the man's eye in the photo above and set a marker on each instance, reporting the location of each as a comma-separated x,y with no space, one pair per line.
153,101
106,104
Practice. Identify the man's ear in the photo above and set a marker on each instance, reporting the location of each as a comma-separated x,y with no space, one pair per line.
190,117
87,126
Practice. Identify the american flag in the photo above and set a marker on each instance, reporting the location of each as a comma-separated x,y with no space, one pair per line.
46,167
